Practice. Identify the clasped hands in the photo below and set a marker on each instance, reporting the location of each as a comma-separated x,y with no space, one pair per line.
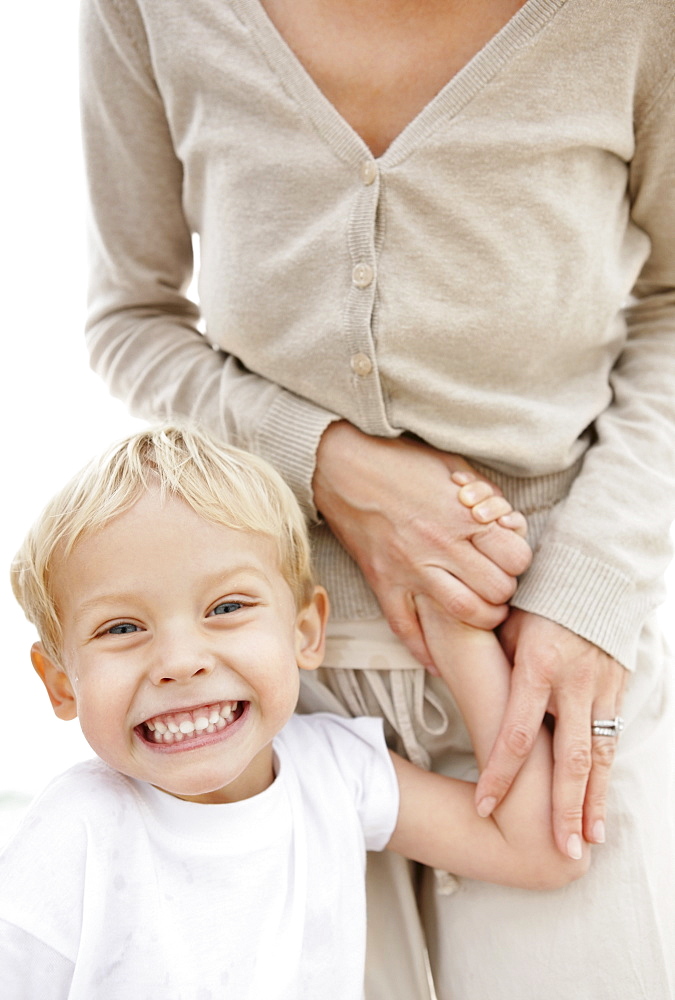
395,507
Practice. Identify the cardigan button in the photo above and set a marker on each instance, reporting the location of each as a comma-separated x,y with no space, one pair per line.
361,364
362,275
368,172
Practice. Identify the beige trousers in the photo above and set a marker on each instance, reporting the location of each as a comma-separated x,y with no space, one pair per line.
608,936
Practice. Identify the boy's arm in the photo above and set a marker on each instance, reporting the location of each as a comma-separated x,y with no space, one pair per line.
438,823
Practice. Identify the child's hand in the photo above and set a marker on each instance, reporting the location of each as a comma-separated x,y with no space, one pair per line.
486,505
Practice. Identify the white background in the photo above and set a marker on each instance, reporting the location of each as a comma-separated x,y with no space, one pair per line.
55,412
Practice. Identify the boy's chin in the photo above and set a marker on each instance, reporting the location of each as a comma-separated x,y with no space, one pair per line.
205,790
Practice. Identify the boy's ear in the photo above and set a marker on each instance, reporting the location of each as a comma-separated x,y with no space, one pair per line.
310,631
56,681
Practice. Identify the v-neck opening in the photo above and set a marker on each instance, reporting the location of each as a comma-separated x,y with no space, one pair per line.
460,89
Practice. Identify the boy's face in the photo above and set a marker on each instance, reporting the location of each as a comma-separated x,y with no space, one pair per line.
171,622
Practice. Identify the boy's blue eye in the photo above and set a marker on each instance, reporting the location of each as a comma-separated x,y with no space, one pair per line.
226,608
123,629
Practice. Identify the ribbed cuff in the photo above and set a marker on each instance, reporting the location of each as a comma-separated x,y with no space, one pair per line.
587,596
288,437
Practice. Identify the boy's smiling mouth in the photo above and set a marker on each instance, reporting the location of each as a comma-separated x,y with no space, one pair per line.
185,728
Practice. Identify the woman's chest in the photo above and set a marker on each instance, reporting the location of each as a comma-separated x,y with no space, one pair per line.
379,63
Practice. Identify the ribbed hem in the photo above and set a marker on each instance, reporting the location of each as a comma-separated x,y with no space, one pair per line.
532,495
350,596
587,596
288,437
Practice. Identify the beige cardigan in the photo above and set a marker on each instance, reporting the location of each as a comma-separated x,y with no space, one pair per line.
466,287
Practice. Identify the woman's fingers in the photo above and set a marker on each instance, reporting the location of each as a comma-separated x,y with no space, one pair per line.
603,752
399,610
450,597
577,680
573,762
522,720
506,549
462,603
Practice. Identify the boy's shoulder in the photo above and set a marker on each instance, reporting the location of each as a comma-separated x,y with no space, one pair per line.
81,792
334,736
344,769
59,822
82,808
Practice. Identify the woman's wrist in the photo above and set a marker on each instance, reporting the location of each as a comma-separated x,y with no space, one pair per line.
338,459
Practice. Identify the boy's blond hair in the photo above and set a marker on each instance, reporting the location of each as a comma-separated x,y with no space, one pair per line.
221,483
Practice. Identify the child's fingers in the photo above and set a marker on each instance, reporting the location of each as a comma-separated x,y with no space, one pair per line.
515,521
486,505
490,509
462,478
476,492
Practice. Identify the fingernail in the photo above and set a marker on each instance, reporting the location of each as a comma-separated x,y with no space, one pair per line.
599,832
482,515
574,847
461,478
485,806
509,520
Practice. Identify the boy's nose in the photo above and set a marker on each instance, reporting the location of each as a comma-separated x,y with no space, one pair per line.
166,674
179,659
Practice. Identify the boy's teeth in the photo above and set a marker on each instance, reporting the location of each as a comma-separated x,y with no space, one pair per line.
179,726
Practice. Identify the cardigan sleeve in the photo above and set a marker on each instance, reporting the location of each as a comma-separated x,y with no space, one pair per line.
143,331
599,567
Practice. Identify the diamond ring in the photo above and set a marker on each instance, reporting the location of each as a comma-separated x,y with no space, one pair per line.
607,727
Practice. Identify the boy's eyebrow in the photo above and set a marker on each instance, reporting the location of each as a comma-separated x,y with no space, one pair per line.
94,602
217,578
222,577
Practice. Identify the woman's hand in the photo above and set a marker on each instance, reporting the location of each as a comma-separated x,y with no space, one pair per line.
394,507
558,672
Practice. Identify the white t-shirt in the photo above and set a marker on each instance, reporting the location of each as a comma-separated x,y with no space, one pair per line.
113,889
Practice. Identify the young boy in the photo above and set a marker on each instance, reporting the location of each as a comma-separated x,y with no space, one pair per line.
216,847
